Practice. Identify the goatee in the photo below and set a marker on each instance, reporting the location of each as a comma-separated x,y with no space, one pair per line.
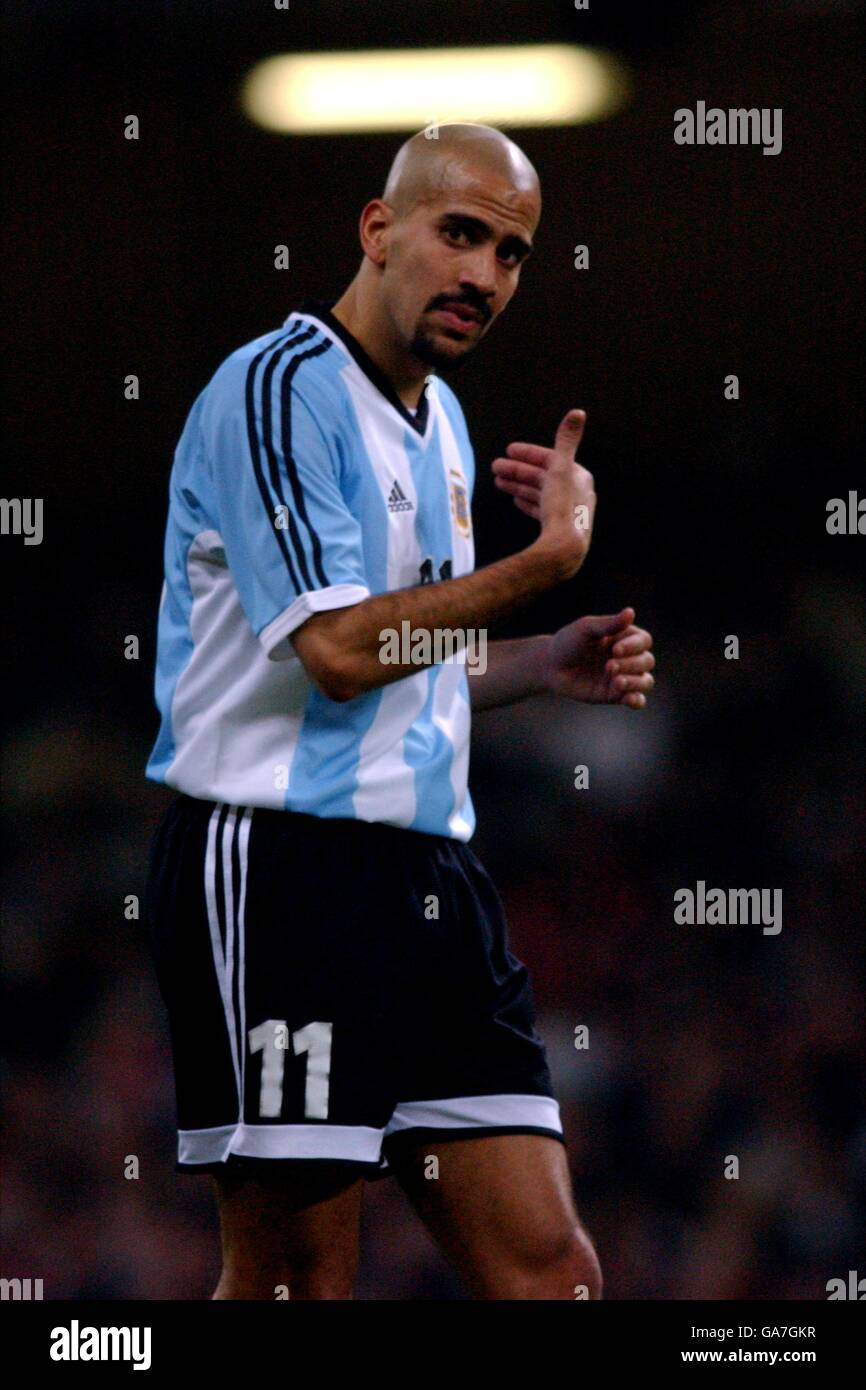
424,347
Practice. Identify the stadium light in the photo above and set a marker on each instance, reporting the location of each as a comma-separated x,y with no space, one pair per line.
406,89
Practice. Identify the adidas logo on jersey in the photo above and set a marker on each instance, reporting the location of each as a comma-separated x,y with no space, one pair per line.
397,499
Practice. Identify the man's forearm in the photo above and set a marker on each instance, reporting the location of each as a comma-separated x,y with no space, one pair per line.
515,670
477,601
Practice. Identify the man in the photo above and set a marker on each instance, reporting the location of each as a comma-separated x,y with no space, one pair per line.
342,1000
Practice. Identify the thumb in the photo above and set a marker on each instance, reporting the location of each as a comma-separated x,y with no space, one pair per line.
570,433
607,624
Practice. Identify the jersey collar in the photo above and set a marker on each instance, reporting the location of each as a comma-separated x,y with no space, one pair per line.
321,309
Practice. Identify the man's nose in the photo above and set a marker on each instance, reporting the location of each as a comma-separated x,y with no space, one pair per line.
479,273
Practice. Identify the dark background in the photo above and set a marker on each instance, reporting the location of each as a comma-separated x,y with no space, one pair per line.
155,257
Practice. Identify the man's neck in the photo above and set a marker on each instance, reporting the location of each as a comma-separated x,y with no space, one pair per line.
362,315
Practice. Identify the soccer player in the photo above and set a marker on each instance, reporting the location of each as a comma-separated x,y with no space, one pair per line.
342,999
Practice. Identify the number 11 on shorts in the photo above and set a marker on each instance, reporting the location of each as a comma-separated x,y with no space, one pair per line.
272,1040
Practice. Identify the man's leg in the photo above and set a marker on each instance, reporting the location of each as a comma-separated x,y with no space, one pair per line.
502,1211
298,1229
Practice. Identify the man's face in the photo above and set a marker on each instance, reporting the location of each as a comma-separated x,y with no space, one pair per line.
453,265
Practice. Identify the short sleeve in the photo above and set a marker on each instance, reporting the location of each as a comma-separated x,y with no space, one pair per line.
291,542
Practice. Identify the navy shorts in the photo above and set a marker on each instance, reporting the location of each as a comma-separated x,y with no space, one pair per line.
335,988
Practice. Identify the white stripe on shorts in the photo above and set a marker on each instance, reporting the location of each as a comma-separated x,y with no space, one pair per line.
230,962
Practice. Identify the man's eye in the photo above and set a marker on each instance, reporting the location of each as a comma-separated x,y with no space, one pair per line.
455,232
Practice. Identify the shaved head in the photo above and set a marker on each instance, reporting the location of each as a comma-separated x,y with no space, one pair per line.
451,158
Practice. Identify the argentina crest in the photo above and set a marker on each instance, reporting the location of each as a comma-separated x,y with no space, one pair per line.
459,502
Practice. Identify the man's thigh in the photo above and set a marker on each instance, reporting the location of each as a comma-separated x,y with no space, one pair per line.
490,1202
299,1226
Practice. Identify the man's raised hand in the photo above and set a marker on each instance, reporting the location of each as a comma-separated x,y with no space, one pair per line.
549,485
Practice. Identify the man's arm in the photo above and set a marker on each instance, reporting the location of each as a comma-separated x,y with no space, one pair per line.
516,669
598,660
342,649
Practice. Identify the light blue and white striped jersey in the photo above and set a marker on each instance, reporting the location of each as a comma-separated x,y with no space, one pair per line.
302,483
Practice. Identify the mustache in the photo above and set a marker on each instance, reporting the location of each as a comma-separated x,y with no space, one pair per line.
471,301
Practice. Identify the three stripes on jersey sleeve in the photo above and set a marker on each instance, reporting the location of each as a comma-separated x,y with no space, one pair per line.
265,453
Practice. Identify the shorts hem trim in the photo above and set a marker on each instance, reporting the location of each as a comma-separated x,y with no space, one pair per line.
242,1163
200,1148
468,1132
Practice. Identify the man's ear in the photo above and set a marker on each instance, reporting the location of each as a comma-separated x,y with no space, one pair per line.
374,230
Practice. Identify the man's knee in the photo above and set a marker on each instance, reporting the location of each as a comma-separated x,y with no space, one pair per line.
558,1264
567,1260
293,1279
320,1274
294,1262
584,1264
